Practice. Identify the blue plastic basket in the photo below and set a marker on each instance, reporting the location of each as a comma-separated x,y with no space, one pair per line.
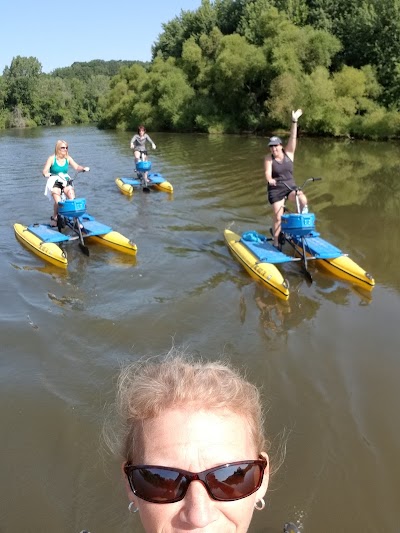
297,223
72,208
143,166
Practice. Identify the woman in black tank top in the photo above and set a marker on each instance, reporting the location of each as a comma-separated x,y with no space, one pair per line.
278,168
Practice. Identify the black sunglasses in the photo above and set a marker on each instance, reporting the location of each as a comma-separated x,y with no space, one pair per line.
63,147
225,483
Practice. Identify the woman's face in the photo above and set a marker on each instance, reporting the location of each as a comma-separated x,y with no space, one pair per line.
196,441
276,150
62,148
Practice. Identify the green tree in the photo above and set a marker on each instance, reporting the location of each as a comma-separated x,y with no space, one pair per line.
4,113
238,80
319,99
253,24
193,63
21,80
229,14
209,43
374,39
198,57
96,87
286,94
3,92
170,96
297,11
122,107
369,31
290,48
327,15
76,101
51,107
188,24
86,70
113,112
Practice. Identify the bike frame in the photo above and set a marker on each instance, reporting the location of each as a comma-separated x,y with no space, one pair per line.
299,229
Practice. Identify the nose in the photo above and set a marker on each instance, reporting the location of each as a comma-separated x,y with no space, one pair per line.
198,509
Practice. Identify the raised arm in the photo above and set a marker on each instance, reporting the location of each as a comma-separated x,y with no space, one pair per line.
292,142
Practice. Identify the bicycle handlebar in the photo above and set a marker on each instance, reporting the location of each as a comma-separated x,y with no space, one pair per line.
302,186
307,180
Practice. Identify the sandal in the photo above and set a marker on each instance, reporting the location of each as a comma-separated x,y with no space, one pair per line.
53,222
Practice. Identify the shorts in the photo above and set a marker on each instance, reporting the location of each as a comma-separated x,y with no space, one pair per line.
61,184
278,192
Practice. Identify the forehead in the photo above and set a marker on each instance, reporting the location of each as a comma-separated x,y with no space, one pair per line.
196,440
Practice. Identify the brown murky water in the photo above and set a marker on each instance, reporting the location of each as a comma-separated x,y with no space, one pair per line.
327,359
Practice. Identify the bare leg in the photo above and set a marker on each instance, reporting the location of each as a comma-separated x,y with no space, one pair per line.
301,197
146,174
276,223
56,193
69,193
302,200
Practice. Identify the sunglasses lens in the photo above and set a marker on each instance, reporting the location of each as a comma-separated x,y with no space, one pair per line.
235,481
167,485
158,485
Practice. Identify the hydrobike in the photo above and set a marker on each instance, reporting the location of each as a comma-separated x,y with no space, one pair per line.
259,256
144,180
47,241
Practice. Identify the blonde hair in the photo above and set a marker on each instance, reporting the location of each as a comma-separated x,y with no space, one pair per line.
58,144
148,387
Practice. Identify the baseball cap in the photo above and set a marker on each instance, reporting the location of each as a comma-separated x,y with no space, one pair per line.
274,141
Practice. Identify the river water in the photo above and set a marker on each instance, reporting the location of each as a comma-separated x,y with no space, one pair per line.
327,359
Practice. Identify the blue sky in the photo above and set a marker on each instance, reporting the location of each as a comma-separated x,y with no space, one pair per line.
59,33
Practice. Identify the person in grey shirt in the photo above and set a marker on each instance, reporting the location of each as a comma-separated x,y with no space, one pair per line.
138,144
278,166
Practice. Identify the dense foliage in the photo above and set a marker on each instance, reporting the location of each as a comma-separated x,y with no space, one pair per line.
97,67
234,66
242,65
28,97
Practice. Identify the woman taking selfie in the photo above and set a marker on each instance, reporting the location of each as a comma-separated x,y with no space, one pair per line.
192,445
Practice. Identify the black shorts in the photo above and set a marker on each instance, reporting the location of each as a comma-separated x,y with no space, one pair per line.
278,192
61,184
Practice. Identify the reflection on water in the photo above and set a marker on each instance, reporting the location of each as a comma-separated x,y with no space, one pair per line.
278,318
338,292
326,359
272,316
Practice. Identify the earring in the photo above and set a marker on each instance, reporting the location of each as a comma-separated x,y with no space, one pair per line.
260,504
132,508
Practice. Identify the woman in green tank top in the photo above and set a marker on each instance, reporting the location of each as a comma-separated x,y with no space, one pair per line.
57,165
